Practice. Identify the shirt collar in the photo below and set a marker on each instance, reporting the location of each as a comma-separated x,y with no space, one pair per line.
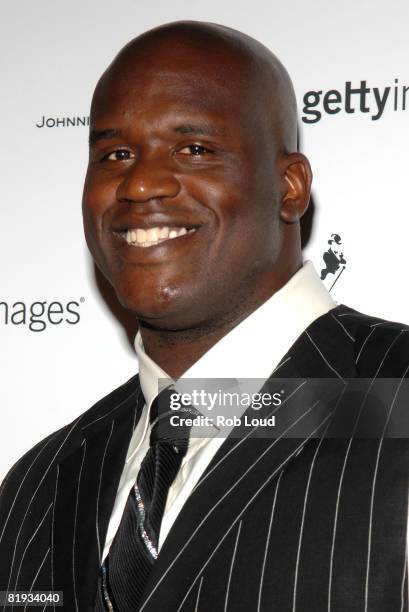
255,346
150,374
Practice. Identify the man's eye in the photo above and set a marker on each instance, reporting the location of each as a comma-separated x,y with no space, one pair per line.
119,155
195,150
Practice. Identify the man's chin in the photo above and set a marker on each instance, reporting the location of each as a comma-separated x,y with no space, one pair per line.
153,312
162,316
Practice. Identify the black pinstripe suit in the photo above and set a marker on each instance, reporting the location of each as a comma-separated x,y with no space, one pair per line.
277,524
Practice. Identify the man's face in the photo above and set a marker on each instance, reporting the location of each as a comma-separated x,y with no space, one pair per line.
180,199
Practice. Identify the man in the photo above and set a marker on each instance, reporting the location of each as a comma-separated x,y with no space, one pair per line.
192,202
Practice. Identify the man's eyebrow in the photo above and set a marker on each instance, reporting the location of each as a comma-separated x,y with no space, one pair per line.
188,128
96,135
202,129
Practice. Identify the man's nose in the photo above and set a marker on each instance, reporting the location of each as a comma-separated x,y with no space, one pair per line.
148,179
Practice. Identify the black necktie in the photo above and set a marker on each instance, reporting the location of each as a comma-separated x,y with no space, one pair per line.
134,549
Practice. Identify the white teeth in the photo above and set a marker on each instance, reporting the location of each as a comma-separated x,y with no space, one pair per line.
164,232
154,235
140,236
130,236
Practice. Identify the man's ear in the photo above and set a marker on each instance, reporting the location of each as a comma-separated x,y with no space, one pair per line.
296,174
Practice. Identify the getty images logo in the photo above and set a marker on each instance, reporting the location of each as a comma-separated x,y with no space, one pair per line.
37,316
355,98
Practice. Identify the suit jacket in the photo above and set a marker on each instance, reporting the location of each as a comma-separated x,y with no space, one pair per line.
299,521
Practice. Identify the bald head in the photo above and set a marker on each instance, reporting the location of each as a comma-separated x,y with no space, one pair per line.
193,130
237,62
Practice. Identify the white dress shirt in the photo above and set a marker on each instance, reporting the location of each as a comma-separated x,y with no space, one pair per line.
239,354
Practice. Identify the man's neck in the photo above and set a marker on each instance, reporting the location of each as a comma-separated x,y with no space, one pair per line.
176,350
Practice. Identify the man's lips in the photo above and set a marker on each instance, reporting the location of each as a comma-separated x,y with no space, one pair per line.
152,236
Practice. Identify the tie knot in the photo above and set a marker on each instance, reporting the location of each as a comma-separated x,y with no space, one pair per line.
163,427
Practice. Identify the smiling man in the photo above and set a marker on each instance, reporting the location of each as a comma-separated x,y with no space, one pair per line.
192,202
184,183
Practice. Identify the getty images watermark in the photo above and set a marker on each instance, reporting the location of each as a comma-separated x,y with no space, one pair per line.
215,407
230,408
288,408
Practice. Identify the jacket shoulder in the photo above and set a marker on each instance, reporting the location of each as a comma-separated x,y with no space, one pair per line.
381,347
48,451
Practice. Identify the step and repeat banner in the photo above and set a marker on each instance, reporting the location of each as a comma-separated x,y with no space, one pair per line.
64,340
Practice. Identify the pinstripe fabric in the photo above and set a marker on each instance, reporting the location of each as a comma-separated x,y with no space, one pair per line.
301,523
133,552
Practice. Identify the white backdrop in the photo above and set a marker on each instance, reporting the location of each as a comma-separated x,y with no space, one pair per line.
52,55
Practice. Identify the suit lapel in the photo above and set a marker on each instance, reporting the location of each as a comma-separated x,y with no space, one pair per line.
86,486
248,461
